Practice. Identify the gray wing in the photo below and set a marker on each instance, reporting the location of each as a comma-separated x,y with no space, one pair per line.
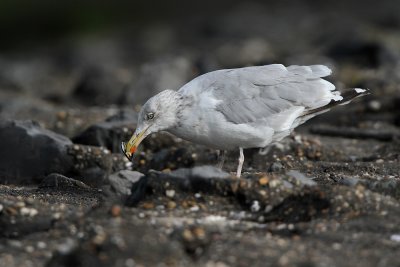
254,93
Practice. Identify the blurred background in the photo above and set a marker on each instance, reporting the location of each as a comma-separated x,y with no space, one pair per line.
65,59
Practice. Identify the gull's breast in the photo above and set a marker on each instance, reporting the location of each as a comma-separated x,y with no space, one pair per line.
203,124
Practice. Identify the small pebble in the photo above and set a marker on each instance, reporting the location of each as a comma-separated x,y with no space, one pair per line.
171,205
395,238
255,206
275,167
170,193
375,105
28,212
130,263
29,249
41,245
263,180
116,210
148,205
57,215
194,208
187,235
20,204
273,183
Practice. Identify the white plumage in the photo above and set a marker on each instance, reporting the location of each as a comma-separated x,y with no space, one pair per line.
241,108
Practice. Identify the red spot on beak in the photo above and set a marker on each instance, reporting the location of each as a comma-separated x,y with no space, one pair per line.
133,149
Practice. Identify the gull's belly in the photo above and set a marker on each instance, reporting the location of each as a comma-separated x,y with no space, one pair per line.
217,133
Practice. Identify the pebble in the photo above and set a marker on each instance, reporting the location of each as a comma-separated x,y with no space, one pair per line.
116,211
263,180
395,238
255,206
375,105
194,208
170,193
276,167
148,205
130,263
274,183
28,212
171,205
20,204
57,215
67,247
29,249
187,235
41,245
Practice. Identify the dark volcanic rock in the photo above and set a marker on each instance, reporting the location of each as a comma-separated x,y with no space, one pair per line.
99,87
103,250
158,75
362,53
91,165
122,181
108,134
198,179
29,152
61,182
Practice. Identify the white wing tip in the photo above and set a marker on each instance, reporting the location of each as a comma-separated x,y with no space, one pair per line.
321,70
359,90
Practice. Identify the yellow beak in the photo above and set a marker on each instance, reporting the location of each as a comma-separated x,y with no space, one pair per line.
130,148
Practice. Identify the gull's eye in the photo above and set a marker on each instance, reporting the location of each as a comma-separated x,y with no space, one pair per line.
149,116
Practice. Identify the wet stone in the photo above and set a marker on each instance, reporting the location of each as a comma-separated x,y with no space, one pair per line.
121,182
207,179
94,88
107,134
275,167
29,152
61,182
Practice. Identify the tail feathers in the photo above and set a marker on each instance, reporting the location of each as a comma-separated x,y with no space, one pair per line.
348,95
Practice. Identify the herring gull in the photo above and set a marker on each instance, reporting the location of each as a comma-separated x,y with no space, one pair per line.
251,107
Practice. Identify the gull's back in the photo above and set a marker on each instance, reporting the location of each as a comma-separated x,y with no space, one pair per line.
272,97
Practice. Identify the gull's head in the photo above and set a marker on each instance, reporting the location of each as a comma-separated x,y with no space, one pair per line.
157,114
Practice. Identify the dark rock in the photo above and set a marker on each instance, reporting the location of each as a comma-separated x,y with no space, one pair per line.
301,207
362,53
200,172
349,181
177,157
28,152
154,77
207,179
277,198
23,226
61,182
107,134
122,181
123,115
99,87
275,167
91,165
126,245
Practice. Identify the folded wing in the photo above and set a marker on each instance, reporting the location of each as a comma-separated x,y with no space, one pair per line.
272,94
